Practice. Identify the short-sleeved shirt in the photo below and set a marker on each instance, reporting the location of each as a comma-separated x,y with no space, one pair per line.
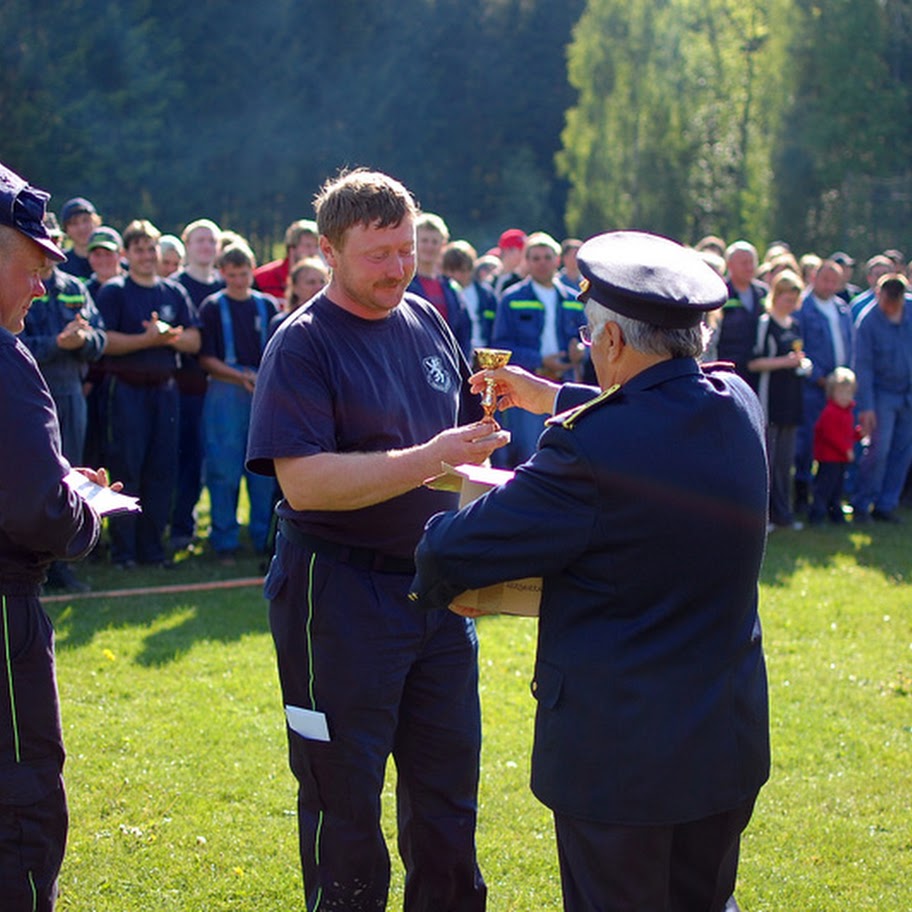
124,305
332,382
198,290
191,378
780,391
246,323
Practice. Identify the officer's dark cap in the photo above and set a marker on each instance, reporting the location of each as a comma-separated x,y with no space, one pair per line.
649,278
23,207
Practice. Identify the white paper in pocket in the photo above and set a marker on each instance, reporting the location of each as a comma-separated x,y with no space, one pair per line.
307,723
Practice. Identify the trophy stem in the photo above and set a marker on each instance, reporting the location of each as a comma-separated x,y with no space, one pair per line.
489,359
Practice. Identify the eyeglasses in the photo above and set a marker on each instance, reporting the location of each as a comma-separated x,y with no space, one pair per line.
585,335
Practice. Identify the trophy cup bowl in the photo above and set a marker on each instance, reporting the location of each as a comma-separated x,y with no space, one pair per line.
489,359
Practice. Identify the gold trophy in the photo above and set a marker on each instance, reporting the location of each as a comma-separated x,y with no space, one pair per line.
489,359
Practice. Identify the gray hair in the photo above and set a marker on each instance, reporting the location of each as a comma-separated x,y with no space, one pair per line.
647,338
742,247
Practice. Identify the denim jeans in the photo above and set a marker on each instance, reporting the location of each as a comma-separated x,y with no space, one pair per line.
226,417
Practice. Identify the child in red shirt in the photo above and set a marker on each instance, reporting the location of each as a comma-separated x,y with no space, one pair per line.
835,434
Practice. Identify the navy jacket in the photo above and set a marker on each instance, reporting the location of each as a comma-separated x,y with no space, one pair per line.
520,322
817,339
64,298
738,330
645,512
40,518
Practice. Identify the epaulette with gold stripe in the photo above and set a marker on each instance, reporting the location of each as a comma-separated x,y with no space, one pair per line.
569,418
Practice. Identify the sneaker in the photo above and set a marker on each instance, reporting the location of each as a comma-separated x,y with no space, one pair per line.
885,516
797,526
125,565
860,517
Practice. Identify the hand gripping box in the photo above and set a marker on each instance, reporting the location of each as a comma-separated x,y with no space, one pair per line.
520,597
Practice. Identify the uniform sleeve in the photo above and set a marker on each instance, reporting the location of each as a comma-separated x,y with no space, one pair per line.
534,525
38,512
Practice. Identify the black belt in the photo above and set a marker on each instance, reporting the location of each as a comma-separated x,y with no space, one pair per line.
361,558
19,587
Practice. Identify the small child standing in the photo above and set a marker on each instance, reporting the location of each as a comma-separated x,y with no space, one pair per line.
234,328
835,434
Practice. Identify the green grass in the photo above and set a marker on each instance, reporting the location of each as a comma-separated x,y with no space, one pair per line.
181,798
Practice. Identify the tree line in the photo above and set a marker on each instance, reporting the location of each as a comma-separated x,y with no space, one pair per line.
779,118
763,119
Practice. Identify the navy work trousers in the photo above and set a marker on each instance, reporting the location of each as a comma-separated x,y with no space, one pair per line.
141,450
391,680
33,809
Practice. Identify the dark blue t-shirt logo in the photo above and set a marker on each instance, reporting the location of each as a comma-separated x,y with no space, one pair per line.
436,374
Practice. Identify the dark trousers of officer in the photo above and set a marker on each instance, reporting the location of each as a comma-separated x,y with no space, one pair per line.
33,809
141,449
390,680
688,867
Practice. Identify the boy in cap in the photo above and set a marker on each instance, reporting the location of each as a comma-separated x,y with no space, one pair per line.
79,219
105,249
41,520
644,510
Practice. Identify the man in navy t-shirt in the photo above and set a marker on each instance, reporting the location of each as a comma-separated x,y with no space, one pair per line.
362,396
149,320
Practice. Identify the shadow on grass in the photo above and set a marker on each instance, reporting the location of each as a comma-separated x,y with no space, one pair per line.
879,546
173,622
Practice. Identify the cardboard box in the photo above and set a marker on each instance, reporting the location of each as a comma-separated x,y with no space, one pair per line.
521,597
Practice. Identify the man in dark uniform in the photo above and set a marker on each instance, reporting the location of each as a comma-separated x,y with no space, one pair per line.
65,333
360,397
651,739
40,519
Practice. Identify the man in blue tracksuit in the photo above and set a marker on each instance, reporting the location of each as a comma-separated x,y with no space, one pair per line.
538,320
883,367
64,331
41,519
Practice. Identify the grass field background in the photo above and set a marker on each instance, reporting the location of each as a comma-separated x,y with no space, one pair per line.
181,798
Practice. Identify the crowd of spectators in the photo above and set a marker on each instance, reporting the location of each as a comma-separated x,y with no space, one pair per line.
151,343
